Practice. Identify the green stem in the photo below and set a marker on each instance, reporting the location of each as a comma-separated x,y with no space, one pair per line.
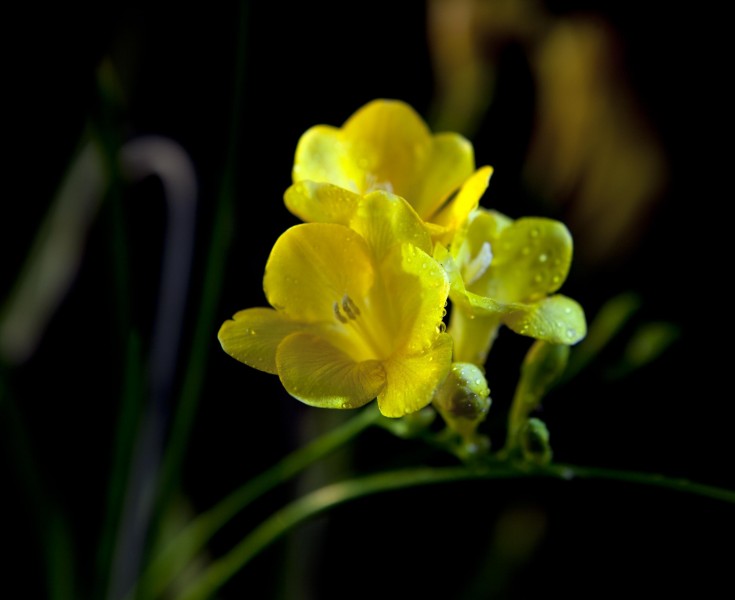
220,571
564,471
183,547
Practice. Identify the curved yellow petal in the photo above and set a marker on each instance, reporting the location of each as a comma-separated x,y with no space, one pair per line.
412,379
322,155
451,162
253,335
414,296
390,142
318,374
314,266
457,210
385,220
531,259
321,202
557,320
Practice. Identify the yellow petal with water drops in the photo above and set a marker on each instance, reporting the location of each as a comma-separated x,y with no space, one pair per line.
414,294
456,212
412,380
531,259
390,143
319,374
485,226
322,155
253,335
557,320
321,202
451,162
385,220
313,267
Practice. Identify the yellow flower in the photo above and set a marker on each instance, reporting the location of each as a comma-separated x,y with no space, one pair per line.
357,312
386,146
502,272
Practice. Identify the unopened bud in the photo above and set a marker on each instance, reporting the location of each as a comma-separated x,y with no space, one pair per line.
463,400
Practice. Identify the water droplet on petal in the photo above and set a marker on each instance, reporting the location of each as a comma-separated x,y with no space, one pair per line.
571,333
543,258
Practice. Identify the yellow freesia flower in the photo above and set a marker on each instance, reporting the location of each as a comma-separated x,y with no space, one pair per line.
505,272
386,145
357,312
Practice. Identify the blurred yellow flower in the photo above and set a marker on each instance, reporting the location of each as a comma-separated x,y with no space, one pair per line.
386,145
357,312
502,272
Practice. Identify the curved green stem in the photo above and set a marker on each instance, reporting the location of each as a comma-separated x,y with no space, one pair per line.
563,471
220,571
166,564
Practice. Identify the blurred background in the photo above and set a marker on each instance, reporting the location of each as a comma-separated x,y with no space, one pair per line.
148,152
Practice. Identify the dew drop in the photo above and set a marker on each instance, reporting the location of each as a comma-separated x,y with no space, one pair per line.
538,278
535,232
567,311
526,251
556,279
543,258
571,333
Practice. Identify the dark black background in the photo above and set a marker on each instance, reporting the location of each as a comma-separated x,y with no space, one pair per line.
310,64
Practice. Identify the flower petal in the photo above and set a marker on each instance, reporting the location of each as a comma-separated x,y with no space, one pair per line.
451,162
531,259
557,320
315,372
414,295
322,155
253,336
385,220
412,379
315,265
456,212
321,202
390,142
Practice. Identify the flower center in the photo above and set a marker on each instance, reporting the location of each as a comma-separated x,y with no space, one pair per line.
476,267
366,339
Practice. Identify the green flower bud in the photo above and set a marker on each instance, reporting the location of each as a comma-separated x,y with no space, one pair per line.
542,367
463,399
534,440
